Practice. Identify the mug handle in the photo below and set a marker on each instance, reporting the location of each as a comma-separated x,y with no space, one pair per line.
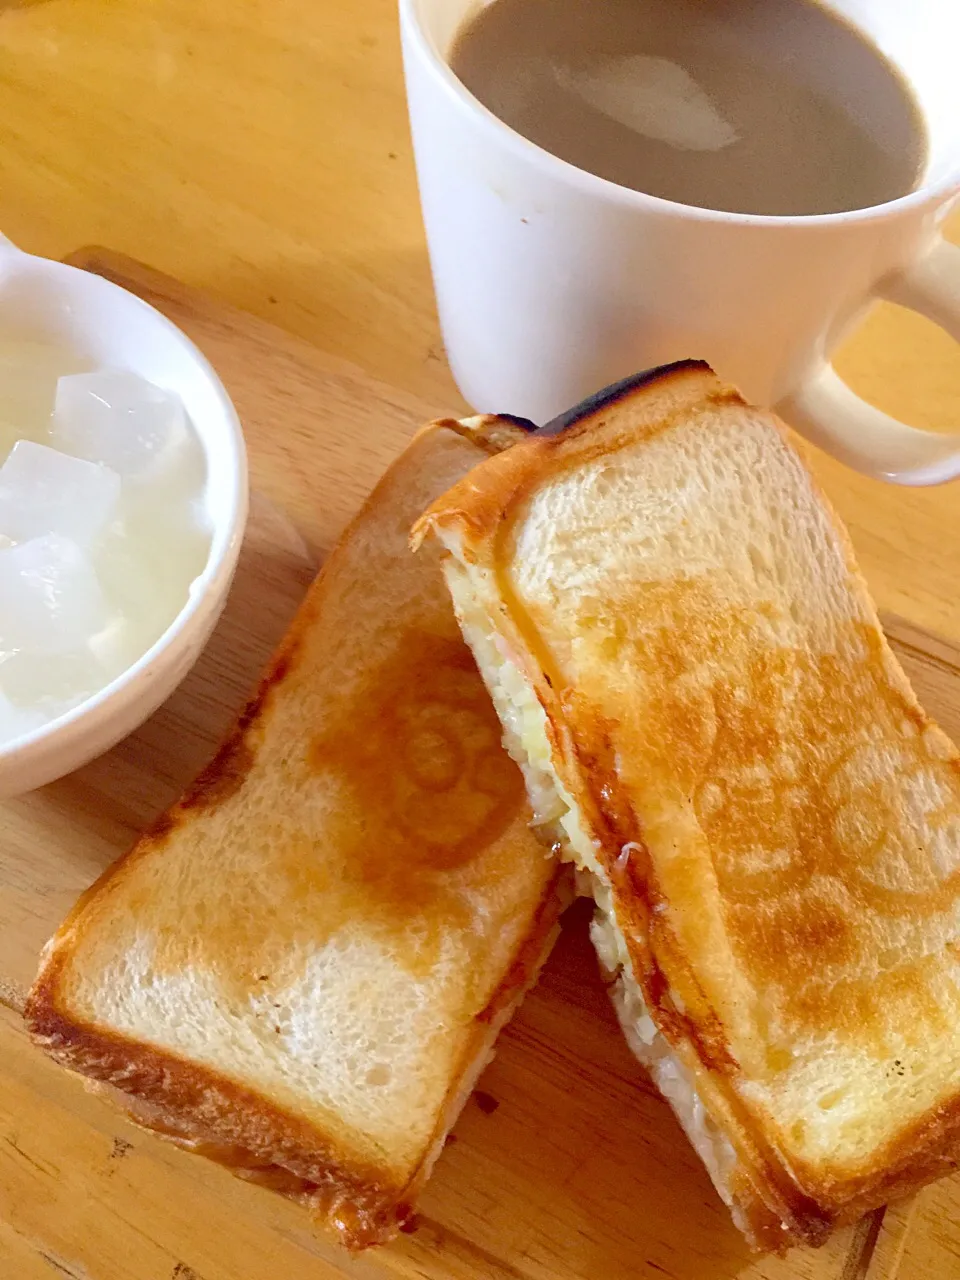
829,414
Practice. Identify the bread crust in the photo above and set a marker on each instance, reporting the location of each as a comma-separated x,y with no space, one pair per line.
202,1109
206,1113
784,1202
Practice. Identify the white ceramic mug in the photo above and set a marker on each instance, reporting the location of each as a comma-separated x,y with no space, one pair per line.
552,282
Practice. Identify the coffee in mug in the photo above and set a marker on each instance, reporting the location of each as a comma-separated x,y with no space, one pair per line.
779,107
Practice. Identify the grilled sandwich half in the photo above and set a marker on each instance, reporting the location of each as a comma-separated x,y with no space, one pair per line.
691,673
301,970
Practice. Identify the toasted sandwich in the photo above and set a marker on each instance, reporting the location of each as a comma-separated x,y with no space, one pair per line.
693,678
302,968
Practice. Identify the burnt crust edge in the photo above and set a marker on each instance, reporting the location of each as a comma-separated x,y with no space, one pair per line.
614,392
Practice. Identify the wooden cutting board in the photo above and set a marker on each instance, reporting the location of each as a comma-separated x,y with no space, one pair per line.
565,1165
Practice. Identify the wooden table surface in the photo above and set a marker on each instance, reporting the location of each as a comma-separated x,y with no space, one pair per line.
259,150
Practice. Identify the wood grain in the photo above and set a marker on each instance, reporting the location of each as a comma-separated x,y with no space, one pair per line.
932,1248
578,1172
886,1255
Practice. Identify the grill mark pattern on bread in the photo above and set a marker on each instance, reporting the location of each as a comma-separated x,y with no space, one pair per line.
301,969
685,610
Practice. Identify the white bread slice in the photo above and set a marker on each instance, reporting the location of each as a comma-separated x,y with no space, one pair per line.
301,970
691,672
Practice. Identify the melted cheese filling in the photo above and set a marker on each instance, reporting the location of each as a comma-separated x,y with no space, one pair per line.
525,737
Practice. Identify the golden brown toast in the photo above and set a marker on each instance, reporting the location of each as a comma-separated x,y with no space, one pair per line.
689,668
302,968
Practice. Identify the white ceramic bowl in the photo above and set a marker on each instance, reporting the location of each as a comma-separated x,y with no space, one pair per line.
47,301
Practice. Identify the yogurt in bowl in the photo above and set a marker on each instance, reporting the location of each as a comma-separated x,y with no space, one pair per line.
123,498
